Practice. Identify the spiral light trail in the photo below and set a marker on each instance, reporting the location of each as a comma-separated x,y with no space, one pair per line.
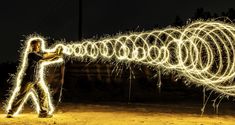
203,52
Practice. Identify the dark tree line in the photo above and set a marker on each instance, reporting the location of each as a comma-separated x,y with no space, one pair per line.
200,13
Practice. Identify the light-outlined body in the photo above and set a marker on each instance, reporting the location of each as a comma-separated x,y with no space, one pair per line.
29,80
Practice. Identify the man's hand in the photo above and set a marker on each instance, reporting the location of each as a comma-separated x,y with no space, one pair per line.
51,58
59,50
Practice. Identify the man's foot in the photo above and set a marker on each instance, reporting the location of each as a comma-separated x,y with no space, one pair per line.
9,115
45,115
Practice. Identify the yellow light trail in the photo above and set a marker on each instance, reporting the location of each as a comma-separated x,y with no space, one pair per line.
203,52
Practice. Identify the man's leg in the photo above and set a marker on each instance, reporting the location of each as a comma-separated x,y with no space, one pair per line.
43,101
19,98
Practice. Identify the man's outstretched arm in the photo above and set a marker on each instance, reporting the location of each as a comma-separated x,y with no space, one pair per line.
52,55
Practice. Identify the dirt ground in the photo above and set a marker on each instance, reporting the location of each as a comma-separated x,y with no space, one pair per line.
125,114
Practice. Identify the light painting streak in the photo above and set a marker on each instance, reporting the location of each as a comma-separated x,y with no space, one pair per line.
202,52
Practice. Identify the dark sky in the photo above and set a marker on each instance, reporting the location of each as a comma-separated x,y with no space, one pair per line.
59,19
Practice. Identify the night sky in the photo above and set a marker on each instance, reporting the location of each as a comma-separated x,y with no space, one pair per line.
59,19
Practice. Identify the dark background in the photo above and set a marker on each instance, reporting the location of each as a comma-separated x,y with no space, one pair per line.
74,20
59,19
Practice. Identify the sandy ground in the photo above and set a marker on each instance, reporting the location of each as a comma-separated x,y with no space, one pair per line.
124,114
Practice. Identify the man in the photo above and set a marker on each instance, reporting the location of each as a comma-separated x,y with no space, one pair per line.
30,81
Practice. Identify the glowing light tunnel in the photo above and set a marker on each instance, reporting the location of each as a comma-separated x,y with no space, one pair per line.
203,52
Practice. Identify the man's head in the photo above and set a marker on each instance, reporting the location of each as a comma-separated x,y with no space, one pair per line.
36,45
